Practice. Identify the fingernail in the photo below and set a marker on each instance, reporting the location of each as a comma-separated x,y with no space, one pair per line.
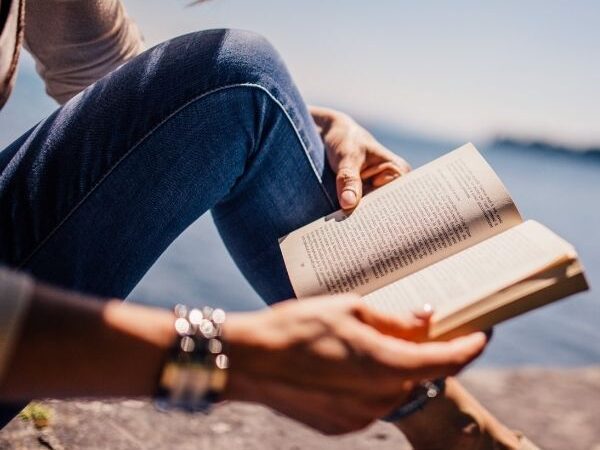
348,198
479,336
427,308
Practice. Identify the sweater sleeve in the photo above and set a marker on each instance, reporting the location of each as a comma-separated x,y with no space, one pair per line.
15,293
77,42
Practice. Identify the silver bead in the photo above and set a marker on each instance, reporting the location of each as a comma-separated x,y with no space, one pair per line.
187,344
207,328
182,326
222,361
195,316
180,310
432,389
218,316
207,312
215,346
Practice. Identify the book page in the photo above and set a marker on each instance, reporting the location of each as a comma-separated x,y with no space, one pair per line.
565,278
433,212
488,267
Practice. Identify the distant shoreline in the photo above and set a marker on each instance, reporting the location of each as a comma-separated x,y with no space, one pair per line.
541,144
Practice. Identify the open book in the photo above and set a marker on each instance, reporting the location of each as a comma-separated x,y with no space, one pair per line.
447,234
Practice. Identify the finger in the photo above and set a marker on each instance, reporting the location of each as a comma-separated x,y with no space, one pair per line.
411,327
420,360
379,168
382,173
348,183
435,359
389,361
425,312
400,162
384,178
378,152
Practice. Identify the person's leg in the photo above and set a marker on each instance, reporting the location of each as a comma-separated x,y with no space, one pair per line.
91,196
456,421
94,194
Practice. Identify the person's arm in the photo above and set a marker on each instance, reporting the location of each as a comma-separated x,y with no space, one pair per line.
71,345
290,357
77,42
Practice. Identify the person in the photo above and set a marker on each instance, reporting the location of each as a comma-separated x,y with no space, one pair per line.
144,144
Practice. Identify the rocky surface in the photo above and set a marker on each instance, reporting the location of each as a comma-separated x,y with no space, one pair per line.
558,409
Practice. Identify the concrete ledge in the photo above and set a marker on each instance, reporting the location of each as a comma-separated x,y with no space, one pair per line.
557,409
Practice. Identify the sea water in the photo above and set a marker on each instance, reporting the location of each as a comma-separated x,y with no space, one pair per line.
558,188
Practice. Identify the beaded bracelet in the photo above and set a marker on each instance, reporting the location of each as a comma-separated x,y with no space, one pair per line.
428,390
195,372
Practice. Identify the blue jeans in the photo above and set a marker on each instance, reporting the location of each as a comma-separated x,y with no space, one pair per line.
91,196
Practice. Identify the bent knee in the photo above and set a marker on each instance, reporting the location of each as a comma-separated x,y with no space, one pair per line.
240,56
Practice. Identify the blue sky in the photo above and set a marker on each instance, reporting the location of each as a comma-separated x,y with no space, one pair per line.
460,69
463,70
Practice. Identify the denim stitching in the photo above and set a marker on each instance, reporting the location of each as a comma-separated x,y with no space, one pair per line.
153,130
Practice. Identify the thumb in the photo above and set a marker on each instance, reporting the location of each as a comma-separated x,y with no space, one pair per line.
349,184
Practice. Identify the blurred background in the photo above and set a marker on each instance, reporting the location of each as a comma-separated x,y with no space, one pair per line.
519,79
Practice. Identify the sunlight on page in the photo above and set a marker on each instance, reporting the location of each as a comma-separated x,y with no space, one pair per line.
435,211
475,273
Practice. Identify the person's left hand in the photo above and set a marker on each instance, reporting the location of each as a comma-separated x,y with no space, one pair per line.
355,156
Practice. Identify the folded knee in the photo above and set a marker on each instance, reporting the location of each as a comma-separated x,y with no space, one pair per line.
239,56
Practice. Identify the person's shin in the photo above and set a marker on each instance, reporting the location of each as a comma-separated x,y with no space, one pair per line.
455,421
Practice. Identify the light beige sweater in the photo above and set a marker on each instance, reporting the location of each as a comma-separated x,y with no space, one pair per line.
74,43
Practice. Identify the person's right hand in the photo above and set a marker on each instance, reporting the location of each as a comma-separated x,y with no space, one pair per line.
333,363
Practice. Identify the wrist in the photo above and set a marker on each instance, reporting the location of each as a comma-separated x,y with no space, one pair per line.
152,325
422,394
243,333
194,375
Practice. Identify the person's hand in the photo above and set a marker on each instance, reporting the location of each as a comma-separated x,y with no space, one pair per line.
355,156
333,363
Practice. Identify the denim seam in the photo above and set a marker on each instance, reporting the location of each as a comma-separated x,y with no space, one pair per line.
152,131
